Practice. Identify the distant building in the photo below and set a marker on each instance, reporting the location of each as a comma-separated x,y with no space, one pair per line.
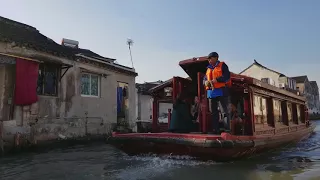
316,95
144,100
310,90
270,76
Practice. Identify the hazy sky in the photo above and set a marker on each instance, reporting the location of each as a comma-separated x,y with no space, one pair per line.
280,34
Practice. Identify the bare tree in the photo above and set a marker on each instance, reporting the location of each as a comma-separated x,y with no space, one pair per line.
130,43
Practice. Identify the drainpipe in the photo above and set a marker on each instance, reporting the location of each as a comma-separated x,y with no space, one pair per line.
86,123
1,138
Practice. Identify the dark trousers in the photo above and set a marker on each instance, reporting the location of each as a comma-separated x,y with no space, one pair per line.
225,110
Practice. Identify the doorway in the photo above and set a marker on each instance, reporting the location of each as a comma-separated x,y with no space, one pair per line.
123,103
7,84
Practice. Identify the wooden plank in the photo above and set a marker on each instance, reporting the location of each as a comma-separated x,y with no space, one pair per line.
14,56
7,60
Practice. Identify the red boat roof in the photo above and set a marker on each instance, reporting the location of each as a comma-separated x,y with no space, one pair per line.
194,65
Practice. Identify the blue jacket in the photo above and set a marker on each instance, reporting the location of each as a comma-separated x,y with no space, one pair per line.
224,78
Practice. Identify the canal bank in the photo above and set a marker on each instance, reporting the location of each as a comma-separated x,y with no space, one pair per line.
53,134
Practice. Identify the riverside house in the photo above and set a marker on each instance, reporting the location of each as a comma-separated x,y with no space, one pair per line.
50,90
299,85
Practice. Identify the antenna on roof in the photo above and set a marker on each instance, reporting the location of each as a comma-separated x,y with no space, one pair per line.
130,43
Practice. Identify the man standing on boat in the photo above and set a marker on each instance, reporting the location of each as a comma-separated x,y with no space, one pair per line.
217,85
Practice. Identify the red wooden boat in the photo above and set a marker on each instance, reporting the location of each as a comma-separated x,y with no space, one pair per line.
270,118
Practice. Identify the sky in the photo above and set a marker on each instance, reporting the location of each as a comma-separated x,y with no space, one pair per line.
282,35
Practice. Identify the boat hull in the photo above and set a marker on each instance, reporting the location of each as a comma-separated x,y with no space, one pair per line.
224,147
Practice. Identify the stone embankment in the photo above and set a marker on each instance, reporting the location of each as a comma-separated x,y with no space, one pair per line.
48,133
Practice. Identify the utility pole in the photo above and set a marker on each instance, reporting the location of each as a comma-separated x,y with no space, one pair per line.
130,43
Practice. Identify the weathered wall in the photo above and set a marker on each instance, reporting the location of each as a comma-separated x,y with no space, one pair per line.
2,79
106,105
2,86
306,90
7,74
8,90
259,73
145,107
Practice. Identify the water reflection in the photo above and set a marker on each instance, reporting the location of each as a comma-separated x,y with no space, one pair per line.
105,162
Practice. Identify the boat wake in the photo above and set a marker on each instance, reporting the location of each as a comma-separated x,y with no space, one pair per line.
151,166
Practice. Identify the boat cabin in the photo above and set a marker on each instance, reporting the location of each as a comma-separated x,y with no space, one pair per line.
257,108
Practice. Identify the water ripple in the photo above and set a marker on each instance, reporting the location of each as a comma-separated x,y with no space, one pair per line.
107,163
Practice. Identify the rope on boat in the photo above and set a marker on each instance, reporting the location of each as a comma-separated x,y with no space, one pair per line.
219,142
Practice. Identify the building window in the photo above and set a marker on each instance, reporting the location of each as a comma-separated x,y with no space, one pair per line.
90,85
277,111
290,114
48,79
260,110
299,113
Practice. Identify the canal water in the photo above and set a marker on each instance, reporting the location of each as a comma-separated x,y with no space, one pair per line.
103,162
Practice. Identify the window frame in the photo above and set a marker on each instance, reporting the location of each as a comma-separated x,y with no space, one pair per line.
265,120
90,74
42,67
280,111
290,115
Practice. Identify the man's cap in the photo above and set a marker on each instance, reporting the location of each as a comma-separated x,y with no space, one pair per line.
213,54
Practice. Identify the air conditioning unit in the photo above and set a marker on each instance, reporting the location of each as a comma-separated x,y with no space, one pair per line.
265,80
272,82
268,81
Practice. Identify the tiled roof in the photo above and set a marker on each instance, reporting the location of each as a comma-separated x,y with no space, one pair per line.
314,84
145,87
28,36
91,54
262,66
24,35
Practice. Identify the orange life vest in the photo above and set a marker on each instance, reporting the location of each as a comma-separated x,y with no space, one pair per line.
215,73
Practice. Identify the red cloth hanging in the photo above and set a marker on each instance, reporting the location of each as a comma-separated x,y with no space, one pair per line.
26,82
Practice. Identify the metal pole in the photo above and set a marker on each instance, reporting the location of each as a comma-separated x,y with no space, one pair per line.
130,43
130,55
